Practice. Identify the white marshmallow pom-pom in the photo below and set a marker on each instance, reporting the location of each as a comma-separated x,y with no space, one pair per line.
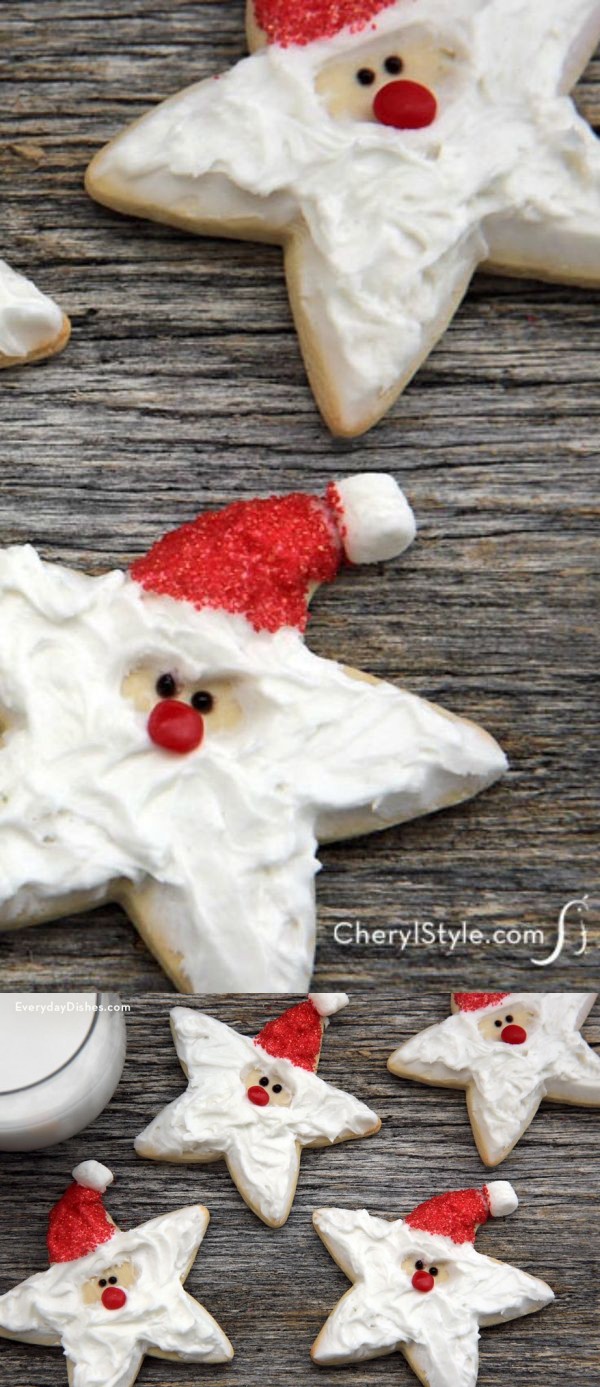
327,1003
502,1198
93,1176
377,520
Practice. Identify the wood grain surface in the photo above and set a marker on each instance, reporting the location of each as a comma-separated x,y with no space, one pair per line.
271,1290
183,387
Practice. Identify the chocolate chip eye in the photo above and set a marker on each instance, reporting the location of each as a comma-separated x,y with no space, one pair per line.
419,1265
498,1023
264,1081
202,701
508,1018
112,1280
433,1271
102,1281
365,76
277,1088
166,686
393,65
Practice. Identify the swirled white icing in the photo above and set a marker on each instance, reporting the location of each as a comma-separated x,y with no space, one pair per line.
214,1118
438,1331
395,220
507,1082
105,1347
29,320
219,844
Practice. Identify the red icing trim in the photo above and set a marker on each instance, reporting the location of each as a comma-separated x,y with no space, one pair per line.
456,1215
255,558
302,21
77,1224
475,1001
295,1036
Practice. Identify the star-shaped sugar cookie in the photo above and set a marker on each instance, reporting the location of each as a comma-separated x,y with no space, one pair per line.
168,740
419,1286
110,1297
509,1050
255,1103
391,146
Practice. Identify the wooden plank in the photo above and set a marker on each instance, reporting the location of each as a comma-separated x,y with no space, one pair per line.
183,387
271,1290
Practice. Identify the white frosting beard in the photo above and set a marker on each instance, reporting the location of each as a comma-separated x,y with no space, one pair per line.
215,1118
396,220
508,1082
225,836
439,1330
105,1347
29,320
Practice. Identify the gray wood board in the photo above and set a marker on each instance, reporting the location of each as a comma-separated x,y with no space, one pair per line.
271,1290
183,387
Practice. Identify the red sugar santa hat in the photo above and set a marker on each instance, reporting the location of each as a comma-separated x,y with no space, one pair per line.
79,1223
458,1214
297,1034
261,558
477,1001
288,22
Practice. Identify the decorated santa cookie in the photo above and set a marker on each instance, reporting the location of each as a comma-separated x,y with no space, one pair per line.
256,1102
111,1297
168,741
509,1050
420,1288
391,146
32,326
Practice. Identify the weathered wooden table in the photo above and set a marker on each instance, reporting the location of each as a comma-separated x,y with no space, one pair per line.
183,387
271,1290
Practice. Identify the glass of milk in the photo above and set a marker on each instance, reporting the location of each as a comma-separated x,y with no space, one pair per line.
61,1058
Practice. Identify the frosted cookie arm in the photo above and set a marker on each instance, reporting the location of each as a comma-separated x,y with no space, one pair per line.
448,1362
356,1330
497,1129
580,1080
348,1235
20,1317
246,1162
344,329
126,1363
506,1293
197,1035
396,758
433,1056
540,236
271,953
200,1340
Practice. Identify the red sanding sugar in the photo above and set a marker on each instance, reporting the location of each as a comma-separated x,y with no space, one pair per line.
257,558
288,22
474,1001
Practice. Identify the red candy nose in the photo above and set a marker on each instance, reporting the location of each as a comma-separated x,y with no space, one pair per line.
113,1298
175,726
258,1095
513,1035
423,1281
405,105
